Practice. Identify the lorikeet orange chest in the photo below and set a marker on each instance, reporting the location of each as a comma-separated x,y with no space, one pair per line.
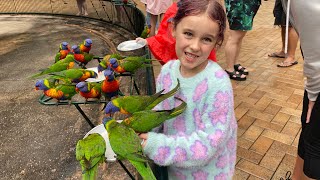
79,57
84,48
110,86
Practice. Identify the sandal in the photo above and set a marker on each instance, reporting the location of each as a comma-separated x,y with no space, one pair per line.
236,76
241,70
276,55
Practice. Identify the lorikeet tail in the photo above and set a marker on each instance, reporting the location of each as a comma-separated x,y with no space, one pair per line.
90,174
178,110
144,170
162,97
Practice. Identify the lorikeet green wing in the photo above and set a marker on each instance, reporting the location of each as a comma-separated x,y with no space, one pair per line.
90,153
131,104
74,75
145,121
129,64
127,144
66,63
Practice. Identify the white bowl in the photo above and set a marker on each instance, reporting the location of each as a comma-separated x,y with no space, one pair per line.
130,45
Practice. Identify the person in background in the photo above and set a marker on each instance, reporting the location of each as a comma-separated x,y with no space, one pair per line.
305,18
240,16
82,7
201,142
156,8
162,45
280,20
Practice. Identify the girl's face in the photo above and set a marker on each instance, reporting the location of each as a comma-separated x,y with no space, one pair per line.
195,39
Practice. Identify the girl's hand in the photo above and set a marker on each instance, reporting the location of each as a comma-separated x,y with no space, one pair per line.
144,137
310,107
143,41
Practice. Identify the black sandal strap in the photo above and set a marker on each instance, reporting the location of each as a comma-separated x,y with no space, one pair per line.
236,76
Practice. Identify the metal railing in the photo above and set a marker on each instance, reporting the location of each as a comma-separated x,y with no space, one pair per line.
116,12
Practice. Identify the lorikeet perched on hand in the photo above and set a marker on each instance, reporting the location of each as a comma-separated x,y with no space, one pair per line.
110,86
64,49
145,121
66,63
90,153
61,92
82,57
86,46
129,64
105,62
126,144
74,75
131,104
89,89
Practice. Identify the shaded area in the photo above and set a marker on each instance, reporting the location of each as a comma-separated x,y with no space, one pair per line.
37,141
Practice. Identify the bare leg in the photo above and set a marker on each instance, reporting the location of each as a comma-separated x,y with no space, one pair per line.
84,8
79,4
298,170
292,46
232,49
153,22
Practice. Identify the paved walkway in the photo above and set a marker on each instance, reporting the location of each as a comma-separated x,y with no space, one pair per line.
267,105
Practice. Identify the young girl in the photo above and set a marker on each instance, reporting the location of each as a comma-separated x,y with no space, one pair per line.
162,45
201,142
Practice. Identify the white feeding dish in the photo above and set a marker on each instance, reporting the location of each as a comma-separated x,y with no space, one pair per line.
100,77
131,45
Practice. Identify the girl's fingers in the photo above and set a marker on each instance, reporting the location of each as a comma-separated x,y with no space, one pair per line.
310,107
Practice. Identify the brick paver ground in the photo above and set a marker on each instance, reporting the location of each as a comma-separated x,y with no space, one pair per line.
267,105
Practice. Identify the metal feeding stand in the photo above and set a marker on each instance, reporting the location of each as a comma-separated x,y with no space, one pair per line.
48,101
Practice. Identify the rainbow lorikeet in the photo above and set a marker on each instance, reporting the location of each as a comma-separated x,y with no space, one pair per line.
85,46
90,153
129,64
61,92
110,86
45,84
145,121
145,33
66,63
135,103
82,57
89,89
64,49
105,62
126,145
74,75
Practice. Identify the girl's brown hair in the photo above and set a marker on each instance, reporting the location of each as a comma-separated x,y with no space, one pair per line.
196,7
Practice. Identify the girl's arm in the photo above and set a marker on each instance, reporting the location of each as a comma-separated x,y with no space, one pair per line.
216,132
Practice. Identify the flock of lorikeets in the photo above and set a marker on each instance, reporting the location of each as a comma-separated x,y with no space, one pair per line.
63,82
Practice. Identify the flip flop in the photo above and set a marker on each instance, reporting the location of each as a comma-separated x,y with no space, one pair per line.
287,64
275,55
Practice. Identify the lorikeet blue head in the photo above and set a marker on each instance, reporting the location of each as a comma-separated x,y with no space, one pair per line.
64,46
114,62
109,74
110,108
75,49
87,42
40,85
82,86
